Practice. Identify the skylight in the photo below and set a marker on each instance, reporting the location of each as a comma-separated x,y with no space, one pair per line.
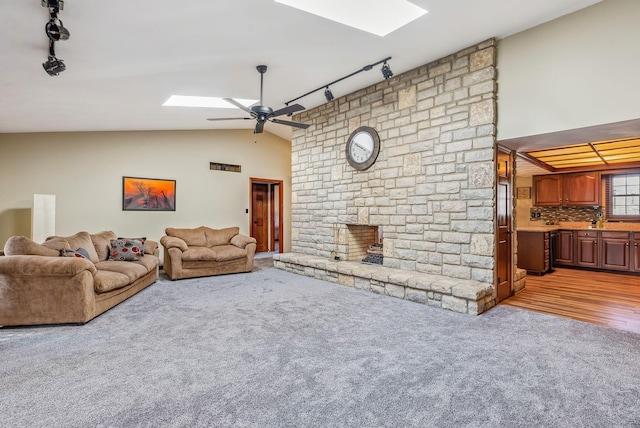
379,17
209,102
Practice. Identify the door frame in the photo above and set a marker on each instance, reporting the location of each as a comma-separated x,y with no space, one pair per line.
272,227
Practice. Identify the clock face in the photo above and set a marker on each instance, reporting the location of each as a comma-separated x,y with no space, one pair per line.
362,148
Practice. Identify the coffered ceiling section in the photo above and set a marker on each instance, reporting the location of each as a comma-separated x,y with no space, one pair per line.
593,155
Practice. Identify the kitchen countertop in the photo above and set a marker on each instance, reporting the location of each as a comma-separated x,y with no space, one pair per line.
538,228
617,227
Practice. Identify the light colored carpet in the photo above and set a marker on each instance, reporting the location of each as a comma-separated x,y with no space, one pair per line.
273,349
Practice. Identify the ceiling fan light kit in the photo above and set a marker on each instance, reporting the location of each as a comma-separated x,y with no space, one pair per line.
261,113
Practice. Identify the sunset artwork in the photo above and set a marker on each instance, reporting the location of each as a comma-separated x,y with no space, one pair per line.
148,194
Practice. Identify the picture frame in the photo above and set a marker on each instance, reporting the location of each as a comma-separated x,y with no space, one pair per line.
148,194
523,193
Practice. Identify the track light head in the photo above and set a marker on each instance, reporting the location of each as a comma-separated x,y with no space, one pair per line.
57,4
54,66
56,31
327,94
386,70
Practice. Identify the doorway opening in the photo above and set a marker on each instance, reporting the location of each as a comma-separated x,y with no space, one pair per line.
266,214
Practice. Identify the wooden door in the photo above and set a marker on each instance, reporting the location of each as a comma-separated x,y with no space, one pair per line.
260,215
547,190
503,219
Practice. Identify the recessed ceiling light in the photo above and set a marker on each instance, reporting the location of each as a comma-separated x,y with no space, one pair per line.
210,102
379,17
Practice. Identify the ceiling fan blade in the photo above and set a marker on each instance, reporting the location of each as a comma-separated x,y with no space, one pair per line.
259,127
237,104
229,118
288,122
289,109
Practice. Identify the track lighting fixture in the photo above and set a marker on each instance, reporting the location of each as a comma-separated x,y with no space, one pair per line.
54,66
55,31
327,94
386,70
58,4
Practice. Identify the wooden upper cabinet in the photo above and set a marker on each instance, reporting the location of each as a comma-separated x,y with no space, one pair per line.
581,189
547,190
575,189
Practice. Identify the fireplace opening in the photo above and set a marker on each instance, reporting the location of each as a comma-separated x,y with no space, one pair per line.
364,243
374,252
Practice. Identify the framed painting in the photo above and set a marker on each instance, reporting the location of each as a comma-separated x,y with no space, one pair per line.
523,193
148,194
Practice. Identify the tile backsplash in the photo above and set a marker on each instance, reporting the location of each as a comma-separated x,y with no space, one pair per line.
553,215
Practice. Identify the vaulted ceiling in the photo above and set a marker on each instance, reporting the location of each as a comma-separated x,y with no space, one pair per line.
125,58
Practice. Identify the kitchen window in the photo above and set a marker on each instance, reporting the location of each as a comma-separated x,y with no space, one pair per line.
623,196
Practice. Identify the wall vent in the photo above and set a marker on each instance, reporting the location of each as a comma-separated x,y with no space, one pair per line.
215,166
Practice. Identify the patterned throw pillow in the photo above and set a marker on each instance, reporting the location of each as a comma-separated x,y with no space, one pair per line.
127,249
80,253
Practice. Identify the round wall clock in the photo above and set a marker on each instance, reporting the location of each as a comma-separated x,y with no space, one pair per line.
363,147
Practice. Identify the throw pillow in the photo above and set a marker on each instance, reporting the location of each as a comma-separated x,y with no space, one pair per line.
80,253
127,249
79,240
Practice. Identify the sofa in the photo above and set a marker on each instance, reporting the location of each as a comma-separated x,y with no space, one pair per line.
72,279
204,251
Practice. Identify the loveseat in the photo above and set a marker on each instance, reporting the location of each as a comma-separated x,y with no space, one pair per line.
72,279
204,251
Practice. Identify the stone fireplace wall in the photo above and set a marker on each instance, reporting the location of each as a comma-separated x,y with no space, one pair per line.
432,187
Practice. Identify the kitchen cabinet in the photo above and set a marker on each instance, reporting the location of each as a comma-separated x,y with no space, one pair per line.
547,190
534,252
597,248
564,248
575,189
635,252
587,248
615,251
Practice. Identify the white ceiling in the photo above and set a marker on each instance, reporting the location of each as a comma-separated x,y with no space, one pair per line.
125,58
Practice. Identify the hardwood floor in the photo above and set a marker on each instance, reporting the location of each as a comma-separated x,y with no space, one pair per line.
607,299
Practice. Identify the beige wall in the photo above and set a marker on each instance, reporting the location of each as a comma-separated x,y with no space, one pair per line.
85,169
523,206
576,71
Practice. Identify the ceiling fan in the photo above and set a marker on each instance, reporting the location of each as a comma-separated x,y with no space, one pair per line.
262,113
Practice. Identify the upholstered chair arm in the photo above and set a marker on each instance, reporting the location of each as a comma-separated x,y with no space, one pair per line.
44,266
241,241
173,242
151,247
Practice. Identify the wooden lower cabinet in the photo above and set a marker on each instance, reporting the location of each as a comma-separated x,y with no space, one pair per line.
564,253
635,252
534,252
599,249
615,250
587,248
